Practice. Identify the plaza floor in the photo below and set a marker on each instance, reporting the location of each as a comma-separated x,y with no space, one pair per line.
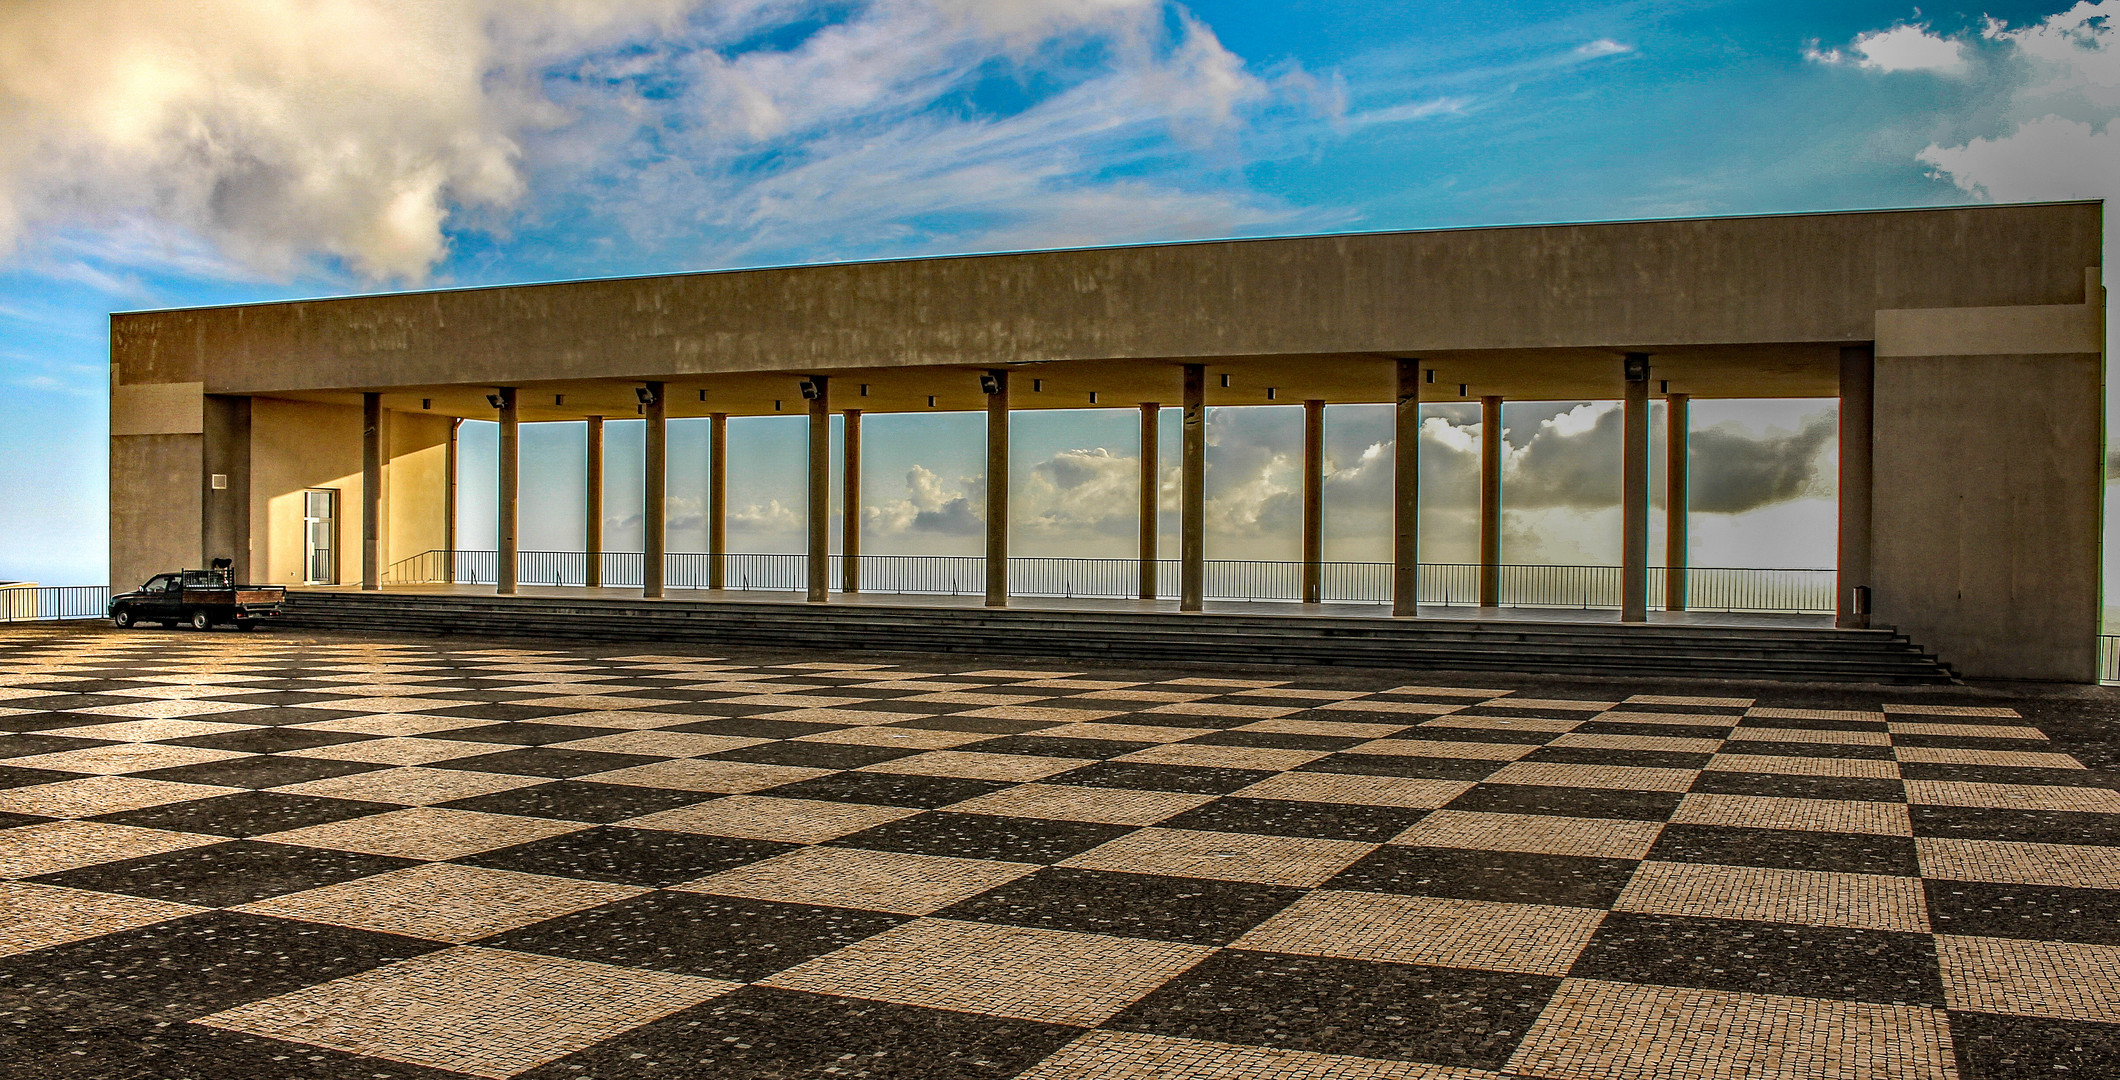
233,856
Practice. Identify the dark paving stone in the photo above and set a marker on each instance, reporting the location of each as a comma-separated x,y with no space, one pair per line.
75,702
2028,826
1806,749
519,734
1289,817
814,755
12,746
279,716
1156,719
759,1033
719,706
1653,731
977,725
1645,759
1405,1012
984,836
498,711
1191,910
2040,912
1764,958
1048,746
1849,853
269,740
1776,785
46,721
1992,1047
489,697
247,813
278,697
581,800
1507,876
141,1049
1568,802
1276,740
888,789
224,875
648,857
755,727
546,761
1402,765
173,971
1994,774
1146,776
1524,737
260,771
9,820
715,936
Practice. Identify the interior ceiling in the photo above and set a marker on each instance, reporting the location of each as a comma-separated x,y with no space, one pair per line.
1723,371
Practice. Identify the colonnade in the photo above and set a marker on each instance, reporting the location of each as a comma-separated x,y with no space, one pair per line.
1410,375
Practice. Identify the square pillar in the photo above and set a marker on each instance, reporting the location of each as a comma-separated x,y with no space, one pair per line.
995,383
371,490
508,455
656,476
850,504
1634,493
456,424
593,505
1491,501
1192,493
1406,493
1313,501
1151,485
717,499
1678,429
820,488
1858,380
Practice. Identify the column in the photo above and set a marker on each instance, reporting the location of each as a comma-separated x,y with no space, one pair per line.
655,515
593,505
509,473
1192,493
1313,501
717,499
449,504
1678,427
1406,493
850,504
1857,397
996,386
1491,500
371,490
820,509
1634,493
1151,484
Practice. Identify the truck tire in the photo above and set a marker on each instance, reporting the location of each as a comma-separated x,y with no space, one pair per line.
122,618
201,619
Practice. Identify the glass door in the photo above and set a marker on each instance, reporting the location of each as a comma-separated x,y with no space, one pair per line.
320,529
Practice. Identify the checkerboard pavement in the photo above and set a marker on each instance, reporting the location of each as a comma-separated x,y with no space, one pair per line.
226,855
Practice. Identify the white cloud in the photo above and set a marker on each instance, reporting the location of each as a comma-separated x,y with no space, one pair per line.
2060,143
1602,47
1904,47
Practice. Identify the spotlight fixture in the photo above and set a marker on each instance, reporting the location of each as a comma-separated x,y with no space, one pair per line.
702,395
931,401
864,389
1093,397
426,403
1637,367
559,399
989,384
494,400
1663,386
1037,386
776,404
811,389
1464,389
645,394
1269,393
1225,382
1428,376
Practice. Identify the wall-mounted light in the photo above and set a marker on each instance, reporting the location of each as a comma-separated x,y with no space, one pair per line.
1037,386
1428,376
931,401
645,394
559,399
1093,397
1269,393
864,389
1225,382
494,400
989,384
702,395
1637,367
1464,389
426,403
811,389
776,404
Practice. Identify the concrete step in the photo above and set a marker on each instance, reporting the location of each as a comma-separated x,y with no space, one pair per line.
1426,644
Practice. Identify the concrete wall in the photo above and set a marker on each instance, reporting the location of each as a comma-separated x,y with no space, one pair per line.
154,506
416,481
1987,510
296,446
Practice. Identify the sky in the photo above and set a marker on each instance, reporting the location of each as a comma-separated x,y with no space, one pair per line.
167,153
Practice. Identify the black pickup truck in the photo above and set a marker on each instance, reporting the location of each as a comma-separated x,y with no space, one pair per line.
199,597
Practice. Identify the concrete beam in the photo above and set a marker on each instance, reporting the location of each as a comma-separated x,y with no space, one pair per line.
655,502
1677,497
1313,501
1151,485
820,491
996,488
1406,493
1491,500
371,490
1858,382
593,504
1634,492
850,503
1192,493
508,452
717,500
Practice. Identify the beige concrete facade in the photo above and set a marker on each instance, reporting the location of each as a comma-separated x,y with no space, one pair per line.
1987,325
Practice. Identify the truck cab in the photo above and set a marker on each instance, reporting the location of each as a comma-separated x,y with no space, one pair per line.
202,598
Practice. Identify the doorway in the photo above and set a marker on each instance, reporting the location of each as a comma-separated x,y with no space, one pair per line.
320,530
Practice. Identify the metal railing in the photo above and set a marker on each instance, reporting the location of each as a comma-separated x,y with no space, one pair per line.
2109,658
1716,589
43,603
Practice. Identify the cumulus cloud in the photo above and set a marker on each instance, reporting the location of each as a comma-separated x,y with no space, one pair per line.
2059,142
1904,47
930,507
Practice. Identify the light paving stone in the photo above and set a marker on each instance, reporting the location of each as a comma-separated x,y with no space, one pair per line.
1507,723
1804,897
1414,793
1447,691
692,774
93,795
762,817
147,730
51,846
425,832
1615,777
659,743
1015,971
1386,705
2072,866
1815,714
1796,815
1224,757
1853,768
1438,748
2063,980
2093,800
1598,1030
410,785
484,1012
389,723
2006,759
1528,938
1656,743
897,882
1952,710
1806,735
1968,731
1126,1055
34,916
900,737
974,766
397,751
442,901
119,758
1703,702
1068,802
1266,860
1224,709
1331,729
1537,834
1149,733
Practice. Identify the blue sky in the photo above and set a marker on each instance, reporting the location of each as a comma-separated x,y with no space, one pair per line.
158,153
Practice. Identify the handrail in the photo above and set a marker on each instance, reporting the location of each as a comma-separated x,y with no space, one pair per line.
43,603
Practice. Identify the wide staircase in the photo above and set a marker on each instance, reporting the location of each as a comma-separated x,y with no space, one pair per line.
1452,644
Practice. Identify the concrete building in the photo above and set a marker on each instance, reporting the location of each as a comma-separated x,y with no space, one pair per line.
312,441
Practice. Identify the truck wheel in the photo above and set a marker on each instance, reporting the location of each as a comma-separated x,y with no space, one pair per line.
122,618
200,620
